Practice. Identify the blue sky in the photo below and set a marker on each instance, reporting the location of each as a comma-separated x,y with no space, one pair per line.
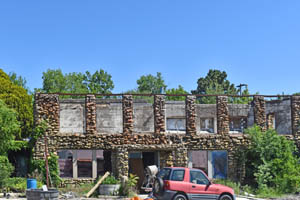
255,41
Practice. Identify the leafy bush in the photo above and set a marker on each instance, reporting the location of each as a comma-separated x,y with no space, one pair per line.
40,166
9,127
272,161
16,97
129,187
19,184
110,180
6,170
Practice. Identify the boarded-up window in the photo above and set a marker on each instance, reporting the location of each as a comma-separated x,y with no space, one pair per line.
176,124
198,160
65,158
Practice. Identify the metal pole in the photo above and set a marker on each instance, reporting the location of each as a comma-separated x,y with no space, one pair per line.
46,161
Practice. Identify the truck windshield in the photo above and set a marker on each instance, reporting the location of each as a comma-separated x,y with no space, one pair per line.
164,174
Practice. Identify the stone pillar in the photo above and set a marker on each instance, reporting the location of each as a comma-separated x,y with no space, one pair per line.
127,114
181,157
166,159
47,108
260,112
190,110
90,114
295,110
122,160
222,115
159,114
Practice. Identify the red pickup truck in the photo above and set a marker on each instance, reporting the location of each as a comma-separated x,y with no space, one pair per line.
179,183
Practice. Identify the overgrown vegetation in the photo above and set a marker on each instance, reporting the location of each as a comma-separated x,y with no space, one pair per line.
19,184
17,98
272,164
129,188
5,171
110,180
54,177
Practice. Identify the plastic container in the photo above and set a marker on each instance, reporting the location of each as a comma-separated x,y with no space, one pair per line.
31,184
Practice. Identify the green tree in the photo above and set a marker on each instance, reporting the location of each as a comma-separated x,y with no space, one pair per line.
151,84
54,81
99,82
272,161
16,97
9,127
6,170
18,80
215,82
178,90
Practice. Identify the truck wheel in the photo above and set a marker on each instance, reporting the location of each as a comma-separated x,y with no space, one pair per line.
180,197
158,186
225,197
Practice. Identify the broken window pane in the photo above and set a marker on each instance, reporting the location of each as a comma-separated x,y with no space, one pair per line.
237,124
176,124
207,125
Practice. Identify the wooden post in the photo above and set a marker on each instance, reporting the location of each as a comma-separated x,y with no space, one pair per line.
97,185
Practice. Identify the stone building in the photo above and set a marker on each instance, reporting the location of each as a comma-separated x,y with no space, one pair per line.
92,135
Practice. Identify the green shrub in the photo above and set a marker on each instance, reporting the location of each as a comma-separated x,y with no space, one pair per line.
19,184
110,180
6,170
129,187
272,162
40,166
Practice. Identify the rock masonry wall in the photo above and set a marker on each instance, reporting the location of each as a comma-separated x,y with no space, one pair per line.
127,114
90,104
190,109
260,112
173,148
222,115
296,115
159,114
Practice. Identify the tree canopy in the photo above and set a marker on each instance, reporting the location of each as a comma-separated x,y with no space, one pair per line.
215,82
18,80
76,82
178,90
16,97
151,84
9,127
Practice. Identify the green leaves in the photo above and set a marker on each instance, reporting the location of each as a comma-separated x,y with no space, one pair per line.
54,81
271,159
9,127
215,82
16,97
5,171
178,90
151,84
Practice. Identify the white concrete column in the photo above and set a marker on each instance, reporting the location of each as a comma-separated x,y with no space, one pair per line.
94,164
75,166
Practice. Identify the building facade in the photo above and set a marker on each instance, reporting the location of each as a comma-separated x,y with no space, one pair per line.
123,135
